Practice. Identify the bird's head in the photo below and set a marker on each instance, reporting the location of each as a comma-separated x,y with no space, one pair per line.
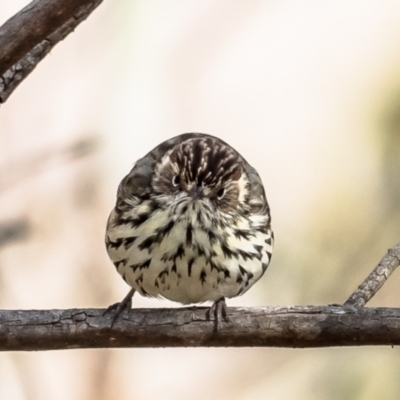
203,171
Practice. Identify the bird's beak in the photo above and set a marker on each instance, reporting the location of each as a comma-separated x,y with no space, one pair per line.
195,192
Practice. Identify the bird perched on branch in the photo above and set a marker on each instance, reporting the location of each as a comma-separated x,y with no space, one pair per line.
191,224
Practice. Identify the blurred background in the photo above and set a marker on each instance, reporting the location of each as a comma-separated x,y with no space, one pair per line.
308,92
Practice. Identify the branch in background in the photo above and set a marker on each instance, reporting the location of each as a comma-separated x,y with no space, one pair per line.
28,37
376,278
19,170
13,231
187,327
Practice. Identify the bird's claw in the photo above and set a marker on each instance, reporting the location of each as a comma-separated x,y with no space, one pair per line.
217,312
125,304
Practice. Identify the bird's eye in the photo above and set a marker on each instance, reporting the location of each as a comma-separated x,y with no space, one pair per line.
221,193
176,180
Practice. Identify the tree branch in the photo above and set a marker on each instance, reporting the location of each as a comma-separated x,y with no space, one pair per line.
376,278
28,37
186,327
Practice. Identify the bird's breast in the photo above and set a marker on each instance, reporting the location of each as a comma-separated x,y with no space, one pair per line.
185,255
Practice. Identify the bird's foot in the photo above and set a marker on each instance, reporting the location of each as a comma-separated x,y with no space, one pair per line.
125,304
218,311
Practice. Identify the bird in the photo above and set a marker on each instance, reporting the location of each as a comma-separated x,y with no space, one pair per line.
191,224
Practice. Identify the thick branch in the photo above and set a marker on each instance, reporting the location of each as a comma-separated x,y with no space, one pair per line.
28,37
186,327
375,280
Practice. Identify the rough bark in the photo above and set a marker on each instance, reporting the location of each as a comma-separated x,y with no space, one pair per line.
185,327
27,37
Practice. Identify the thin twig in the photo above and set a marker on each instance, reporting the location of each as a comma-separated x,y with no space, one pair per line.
376,278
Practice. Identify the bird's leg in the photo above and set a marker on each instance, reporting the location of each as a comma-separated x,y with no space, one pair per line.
217,311
125,304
